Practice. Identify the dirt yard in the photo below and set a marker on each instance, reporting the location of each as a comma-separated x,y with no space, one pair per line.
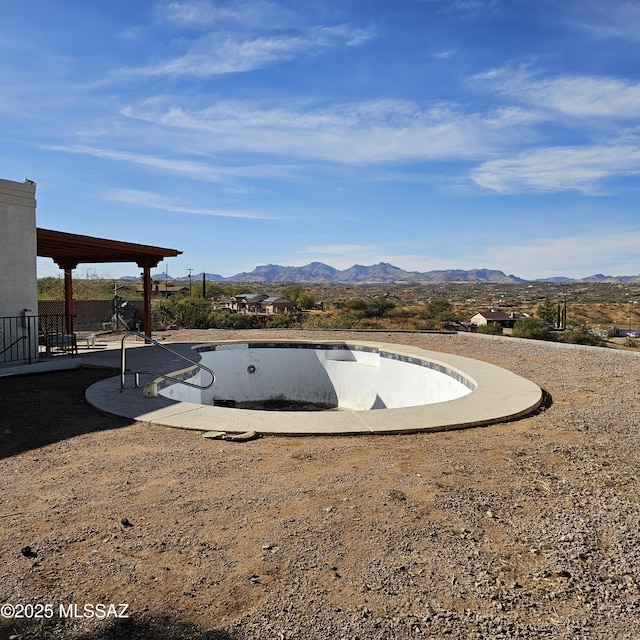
521,530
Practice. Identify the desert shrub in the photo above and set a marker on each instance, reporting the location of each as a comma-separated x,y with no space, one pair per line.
226,320
370,308
186,313
532,328
582,335
493,329
281,321
333,321
439,309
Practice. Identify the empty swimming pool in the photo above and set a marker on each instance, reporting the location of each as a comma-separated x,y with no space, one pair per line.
317,375
373,387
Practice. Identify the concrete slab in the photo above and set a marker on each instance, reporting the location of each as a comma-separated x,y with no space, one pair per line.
60,363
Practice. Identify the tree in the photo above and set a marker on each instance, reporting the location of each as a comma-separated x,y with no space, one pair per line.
370,308
292,292
306,300
547,311
439,309
301,297
50,288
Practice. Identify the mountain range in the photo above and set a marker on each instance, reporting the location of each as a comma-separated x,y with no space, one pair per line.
319,273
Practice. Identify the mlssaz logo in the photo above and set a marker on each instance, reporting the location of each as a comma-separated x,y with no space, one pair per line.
99,611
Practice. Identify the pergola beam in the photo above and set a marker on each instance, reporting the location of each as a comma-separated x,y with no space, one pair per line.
68,250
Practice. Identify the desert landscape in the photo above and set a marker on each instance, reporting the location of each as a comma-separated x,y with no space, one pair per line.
527,529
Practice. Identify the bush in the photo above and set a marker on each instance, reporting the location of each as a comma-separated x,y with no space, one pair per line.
582,335
333,321
493,329
281,321
186,313
370,308
531,328
226,320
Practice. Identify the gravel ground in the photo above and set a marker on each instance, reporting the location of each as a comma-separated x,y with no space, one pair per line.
528,529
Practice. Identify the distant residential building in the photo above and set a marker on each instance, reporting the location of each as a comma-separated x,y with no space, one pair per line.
160,290
260,303
277,304
246,302
494,316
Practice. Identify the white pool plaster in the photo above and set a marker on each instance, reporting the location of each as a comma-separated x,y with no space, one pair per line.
377,388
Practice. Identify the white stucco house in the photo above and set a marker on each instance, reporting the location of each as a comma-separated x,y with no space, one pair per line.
18,281
496,316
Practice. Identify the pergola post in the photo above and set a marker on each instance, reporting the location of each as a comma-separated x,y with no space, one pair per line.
146,296
68,267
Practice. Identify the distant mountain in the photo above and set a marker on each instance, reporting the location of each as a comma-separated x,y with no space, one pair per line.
559,279
599,277
197,277
317,272
320,273
314,272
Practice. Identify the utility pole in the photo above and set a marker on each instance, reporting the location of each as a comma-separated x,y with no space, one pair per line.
189,270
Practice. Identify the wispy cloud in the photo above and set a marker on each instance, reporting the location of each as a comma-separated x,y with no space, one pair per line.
613,20
209,172
255,40
167,203
443,55
219,55
365,132
558,169
245,13
464,6
573,95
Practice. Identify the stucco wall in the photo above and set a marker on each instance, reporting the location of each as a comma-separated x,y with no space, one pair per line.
18,276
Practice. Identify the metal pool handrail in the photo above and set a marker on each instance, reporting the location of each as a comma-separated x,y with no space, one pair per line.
159,375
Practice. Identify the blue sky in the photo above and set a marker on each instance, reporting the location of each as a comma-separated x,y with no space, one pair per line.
431,134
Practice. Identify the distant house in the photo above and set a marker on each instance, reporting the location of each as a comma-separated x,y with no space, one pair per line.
246,302
494,316
260,303
277,304
160,290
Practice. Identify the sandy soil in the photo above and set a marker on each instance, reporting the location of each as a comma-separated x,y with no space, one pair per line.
521,530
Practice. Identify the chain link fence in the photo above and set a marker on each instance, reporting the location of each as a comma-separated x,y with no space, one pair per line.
98,315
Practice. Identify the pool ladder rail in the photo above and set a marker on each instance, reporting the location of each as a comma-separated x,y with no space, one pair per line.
158,375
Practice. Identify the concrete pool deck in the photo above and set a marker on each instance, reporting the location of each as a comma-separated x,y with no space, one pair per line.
500,396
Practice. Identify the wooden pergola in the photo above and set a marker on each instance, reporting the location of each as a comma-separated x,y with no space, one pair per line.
68,250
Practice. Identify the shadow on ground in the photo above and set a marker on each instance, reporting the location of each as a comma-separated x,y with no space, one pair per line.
40,409
163,628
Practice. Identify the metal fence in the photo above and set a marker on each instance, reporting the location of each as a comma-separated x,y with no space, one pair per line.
26,338
115,314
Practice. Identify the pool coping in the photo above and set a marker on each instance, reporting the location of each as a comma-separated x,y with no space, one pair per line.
500,396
